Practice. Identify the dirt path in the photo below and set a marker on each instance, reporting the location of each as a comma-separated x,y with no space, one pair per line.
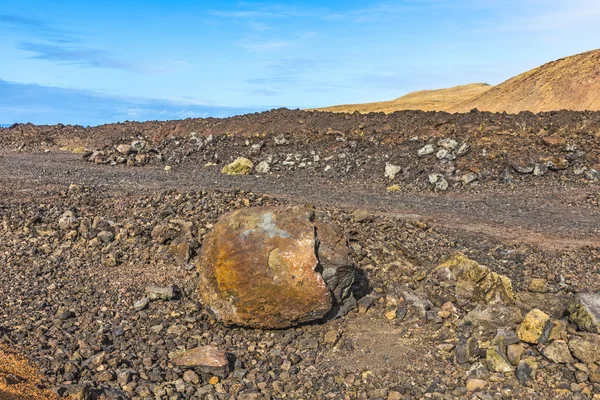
551,218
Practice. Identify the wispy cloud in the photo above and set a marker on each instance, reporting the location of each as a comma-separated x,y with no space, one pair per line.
36,28
45,104
70,55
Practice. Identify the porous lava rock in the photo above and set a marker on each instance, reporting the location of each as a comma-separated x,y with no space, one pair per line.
275,267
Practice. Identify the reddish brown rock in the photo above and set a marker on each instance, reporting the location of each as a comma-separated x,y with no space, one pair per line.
207,359
274,267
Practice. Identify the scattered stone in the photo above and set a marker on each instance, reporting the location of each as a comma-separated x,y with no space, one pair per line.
191,377
514,352
558,352
496,361
526,370
447,143
469,178
364,303
477,282
277,282
462,150
391,170
438,181
538,285
239,166
161,293
141,304
426,150
124,149
331,337
466,351
207,359
476,385
585,312
586,347
535,327
263,167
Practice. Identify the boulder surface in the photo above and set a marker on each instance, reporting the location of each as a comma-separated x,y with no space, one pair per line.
275,267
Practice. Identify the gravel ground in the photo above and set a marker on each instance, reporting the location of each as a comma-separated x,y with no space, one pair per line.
77,256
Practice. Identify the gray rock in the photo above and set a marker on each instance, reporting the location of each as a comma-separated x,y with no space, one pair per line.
540,169
585,312
161,293
462,150
523,168
526,370
592,175
141,304
469,178
391,170
448,144
263,167
426,150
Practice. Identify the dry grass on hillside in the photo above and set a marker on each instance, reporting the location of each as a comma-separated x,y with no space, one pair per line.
426,100
571,83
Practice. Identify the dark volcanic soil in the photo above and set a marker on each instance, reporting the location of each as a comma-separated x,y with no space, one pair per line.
68,296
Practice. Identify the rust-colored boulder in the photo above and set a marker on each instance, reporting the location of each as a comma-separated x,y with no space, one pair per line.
275,267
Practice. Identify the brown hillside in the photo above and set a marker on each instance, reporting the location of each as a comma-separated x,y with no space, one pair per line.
571,83
425,100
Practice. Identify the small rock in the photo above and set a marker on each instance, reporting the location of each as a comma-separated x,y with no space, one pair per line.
426,150
469,178
331,337
526,370
161,293
514,353
124,149
538,285
466,351
535,327
462,150
586,347
364,303
208,359
447,143
475,385
191,376
496,361
106,236
391,170
558,352
141,304
263,167
585,312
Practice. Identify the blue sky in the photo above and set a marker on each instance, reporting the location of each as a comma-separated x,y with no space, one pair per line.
91,62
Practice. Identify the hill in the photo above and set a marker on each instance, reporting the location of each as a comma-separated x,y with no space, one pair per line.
426,100
571,83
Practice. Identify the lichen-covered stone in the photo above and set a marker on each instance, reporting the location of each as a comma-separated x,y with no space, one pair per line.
585,312
477,282
535,327
275,267
239,166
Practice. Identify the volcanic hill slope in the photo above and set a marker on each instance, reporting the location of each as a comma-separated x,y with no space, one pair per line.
425,100
570,83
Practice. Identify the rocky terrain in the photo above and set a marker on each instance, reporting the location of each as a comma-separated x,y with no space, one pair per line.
478,288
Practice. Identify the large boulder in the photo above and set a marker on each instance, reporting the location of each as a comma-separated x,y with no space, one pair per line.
275,267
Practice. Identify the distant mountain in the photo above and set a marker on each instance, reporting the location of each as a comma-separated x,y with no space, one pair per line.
426,100
571,83
4,125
